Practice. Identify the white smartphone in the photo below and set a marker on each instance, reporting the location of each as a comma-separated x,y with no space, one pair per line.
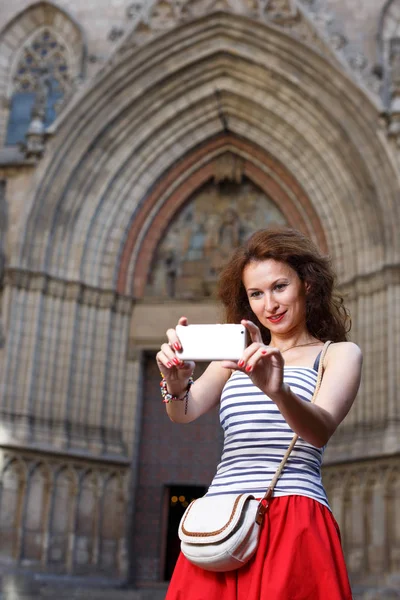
212,342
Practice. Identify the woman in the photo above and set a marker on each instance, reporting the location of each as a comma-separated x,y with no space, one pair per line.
282,290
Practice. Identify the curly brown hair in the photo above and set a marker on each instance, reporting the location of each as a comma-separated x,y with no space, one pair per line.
326,316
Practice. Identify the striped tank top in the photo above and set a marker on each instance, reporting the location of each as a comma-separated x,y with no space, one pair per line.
256,437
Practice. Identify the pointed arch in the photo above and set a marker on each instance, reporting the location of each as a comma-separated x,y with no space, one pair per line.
36,504
25,27
133,125
86,518
12,492
61,514
185,178
111,521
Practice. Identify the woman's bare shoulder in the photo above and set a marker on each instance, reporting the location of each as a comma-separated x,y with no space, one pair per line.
348,351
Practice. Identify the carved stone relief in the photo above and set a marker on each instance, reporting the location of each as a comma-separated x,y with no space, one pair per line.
332,28
115,33
308,21
133,10
281,9
167,14
203,235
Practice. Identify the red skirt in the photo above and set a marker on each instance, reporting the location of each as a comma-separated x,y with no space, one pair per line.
299,557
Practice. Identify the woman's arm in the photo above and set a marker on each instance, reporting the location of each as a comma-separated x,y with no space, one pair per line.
204,394
317,422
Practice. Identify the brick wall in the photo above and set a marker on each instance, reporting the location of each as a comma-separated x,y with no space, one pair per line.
169,454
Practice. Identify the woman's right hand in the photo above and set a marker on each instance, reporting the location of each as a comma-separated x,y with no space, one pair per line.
175,371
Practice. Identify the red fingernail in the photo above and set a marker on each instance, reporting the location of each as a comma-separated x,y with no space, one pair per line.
176,361
263,352
240,363
249,368
169,365
177,346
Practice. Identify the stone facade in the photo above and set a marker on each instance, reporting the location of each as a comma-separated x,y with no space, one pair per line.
150,125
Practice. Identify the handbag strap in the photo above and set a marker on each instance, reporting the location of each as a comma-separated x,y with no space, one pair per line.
263,505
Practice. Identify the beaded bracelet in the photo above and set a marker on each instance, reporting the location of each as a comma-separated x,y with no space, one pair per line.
167,397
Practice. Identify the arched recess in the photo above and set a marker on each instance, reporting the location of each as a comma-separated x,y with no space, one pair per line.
158,105
61,515
389,27
203,164
111,522
389,53
12,490
36,503
25,27
86,519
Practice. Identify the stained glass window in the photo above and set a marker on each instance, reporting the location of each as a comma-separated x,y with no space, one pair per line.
43,62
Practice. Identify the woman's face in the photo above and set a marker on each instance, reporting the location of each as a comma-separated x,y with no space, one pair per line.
276,294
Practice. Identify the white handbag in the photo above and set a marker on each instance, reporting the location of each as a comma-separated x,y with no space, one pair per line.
221,533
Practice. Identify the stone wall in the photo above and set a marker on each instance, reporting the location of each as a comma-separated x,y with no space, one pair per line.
62,514
365,499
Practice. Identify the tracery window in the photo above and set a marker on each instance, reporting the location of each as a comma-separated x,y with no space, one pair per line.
41,75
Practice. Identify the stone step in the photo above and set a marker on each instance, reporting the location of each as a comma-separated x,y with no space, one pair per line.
98,594
71,594
376,594
20,587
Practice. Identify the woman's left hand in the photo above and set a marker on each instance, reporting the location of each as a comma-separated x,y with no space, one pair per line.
263,364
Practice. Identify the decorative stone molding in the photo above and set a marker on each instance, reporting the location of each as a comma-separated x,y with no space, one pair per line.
365,498
115,34
80,509
164,15
358,62
338,40
370,283
306,21
238,158
134,9
68,290
350,55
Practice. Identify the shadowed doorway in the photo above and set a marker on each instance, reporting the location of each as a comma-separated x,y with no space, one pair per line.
178,497
174,460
